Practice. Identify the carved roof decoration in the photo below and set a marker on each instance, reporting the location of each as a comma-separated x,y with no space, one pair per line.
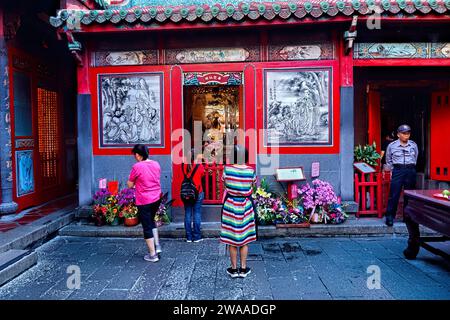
245,11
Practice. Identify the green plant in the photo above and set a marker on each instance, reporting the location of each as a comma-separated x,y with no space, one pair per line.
367,154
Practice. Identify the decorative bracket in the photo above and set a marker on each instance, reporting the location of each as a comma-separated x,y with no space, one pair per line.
74,46
350,35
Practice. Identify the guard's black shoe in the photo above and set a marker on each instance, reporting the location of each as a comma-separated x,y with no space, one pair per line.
389,222
409,254
233,272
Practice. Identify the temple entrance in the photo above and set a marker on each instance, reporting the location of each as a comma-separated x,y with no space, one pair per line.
388,97
213,113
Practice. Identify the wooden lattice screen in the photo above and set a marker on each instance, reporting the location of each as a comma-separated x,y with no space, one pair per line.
48,136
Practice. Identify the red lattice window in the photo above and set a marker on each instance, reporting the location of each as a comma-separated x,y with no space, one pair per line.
48,136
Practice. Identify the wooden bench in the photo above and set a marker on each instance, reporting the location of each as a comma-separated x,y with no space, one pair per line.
421,208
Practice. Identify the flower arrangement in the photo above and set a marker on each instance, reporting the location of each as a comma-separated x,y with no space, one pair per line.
112,210
321,203
292,212
100,206
109,208
162,215
266,204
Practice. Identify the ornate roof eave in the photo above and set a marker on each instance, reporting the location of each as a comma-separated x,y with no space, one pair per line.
74,19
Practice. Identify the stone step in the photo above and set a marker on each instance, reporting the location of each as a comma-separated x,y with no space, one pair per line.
13,262
364,227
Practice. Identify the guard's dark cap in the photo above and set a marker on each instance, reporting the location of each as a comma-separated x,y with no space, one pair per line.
404,128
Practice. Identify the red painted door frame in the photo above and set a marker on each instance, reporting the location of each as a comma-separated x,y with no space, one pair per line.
41,194
176,92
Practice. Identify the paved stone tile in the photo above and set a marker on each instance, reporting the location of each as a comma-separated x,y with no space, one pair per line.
110,294
89,290
410,273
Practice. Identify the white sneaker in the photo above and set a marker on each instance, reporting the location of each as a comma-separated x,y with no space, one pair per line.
189,241
199,240
151,258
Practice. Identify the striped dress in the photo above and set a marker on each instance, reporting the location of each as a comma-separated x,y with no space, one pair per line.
238,216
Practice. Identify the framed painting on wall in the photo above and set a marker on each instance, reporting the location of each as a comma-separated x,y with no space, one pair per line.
298,107
130,107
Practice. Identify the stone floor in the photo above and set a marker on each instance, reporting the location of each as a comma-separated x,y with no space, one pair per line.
283,269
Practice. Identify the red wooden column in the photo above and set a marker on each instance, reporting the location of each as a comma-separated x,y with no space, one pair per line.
176,114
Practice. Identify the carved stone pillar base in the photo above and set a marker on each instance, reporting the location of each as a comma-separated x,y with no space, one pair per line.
8,208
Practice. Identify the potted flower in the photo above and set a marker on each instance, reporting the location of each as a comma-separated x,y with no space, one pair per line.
128,211
112,211
367,154
130,215
100,206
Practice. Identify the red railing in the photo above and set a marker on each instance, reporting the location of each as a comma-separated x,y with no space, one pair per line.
372,192
213,184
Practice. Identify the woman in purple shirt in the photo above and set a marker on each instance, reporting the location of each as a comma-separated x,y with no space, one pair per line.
145,177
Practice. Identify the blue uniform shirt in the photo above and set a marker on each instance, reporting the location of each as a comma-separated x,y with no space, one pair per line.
398,154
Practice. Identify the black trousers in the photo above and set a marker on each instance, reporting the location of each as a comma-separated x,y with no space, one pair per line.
403,177
147,214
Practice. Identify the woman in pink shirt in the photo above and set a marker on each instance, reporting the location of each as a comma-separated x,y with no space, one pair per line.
145,177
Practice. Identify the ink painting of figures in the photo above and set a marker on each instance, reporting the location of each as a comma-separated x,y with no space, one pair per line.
298,107
130,107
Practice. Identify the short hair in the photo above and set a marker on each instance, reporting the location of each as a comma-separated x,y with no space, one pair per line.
240,154
141,150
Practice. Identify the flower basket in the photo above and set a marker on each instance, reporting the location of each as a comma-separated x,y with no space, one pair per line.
131,222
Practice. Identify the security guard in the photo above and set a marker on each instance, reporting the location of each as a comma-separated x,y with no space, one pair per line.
401,157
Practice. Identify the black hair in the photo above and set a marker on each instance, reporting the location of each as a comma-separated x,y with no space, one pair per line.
240,154
141,150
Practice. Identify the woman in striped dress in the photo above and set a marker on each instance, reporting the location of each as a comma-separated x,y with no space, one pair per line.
238,214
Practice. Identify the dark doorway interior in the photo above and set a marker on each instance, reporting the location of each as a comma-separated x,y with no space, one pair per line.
407,106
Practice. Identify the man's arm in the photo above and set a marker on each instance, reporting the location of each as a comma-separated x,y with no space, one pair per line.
389,157
130,184
416,149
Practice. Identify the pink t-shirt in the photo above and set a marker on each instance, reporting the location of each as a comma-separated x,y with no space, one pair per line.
146,176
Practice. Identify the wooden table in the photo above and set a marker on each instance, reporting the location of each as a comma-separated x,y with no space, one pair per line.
421,208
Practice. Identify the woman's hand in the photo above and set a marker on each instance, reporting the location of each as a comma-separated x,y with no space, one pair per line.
130,184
